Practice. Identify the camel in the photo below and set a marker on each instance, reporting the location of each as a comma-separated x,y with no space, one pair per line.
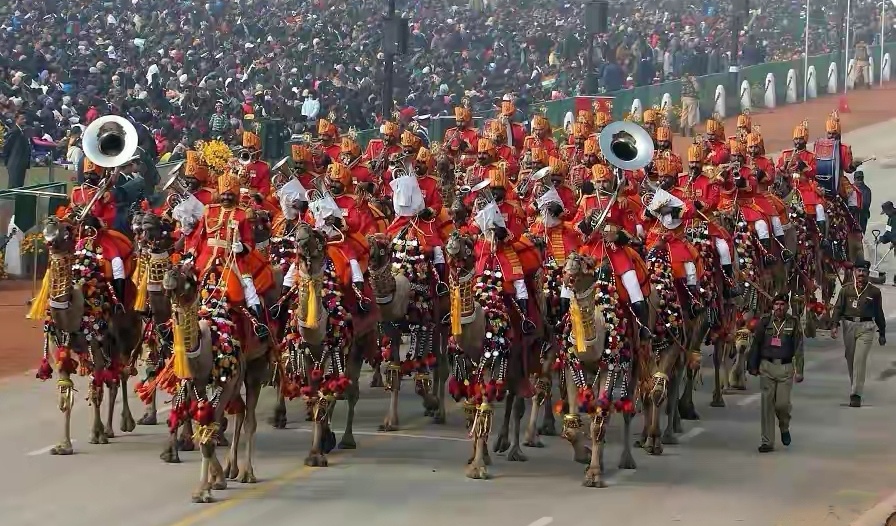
315,353
201,357
68,296
581,276
468,325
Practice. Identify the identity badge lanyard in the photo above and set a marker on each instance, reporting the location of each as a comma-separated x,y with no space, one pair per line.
776,339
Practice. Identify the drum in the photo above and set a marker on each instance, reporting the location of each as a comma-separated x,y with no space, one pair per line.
827,157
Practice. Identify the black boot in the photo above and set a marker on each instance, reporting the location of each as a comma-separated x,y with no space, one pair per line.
734,289
767,247
261,329
640,310
363,301
528,326
786,255
561,313
696,307
823,234
118,286
442,285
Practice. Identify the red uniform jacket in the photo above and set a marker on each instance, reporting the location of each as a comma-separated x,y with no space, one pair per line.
708,193
620,215
719,153
508,155
206,195
572,154
374,150
113,244
426,232
517,137
259,174
561,240
547,143
504,255
454,136
567,196
753,204
806,184
333,151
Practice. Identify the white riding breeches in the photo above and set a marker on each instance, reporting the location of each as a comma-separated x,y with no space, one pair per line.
357,275
819,213
777,226
761,228
630,282
249,291
521,292
565,292
853,198
118,268
723,250
438,257
690,270
290,278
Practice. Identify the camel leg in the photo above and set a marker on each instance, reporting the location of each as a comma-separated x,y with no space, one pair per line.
203,492
627,460
253,393
352,394
542,392
150,412
572,424
718,354
66,401
185,440
316,457
170,455
664,390
548,427
127,418
376,381
502,441
515,454
231,462
477,468
278,420
594,472
98,431
673,399
686,408
110,409
440,379
393,385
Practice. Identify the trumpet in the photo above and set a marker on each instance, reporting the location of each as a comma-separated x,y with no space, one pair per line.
282,173
523,187
245,157
100,191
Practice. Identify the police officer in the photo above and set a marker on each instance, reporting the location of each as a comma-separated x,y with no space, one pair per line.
776,356
859,308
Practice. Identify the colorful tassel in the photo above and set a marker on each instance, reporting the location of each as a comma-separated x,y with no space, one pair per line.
311,318
39,304
578,327
181,367
455,312
142,282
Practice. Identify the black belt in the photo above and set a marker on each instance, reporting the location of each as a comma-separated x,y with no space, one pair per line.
780,361
857,319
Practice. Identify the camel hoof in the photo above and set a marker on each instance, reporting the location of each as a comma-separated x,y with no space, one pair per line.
231,471
316,461
516,455
247,477
584,458
547,429
534,443
219,485
670,439
656,449
439,418
627,461
487,458
387,427
348,442
328,442
109,434
377,381
203,498
687,412
148,419
477,473
717,402
676,426
278,421
222,441
593,479
102,438
62,450
502,444
128,424
185,444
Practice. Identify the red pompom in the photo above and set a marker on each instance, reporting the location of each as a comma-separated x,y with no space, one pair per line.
316,375
45,371
431,360
205,414
173,421
235,406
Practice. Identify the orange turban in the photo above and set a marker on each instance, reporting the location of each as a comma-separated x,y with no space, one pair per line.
301,153
744,121
801,131
338,172
194,168
327,128
228,182
600,173
737,148
424,156
409,139
663,133
585,117
695,153
250,140
498,177
485,146
754,139
349,146
832,125
540,123
495,131
558,166
463,114
714,128
602,118
390,128
579,130
539,155
591,146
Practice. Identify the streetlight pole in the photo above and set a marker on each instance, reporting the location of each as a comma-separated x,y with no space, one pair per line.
739,9
806,56
846,49
389,66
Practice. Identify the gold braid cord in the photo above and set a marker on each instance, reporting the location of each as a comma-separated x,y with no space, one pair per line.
60,275
204,434
158,266
187,319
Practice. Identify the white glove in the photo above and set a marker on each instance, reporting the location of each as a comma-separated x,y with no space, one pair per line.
237,247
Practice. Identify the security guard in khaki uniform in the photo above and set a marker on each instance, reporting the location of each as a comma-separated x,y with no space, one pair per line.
859,308
776,356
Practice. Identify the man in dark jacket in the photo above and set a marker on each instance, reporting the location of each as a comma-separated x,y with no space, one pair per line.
17,152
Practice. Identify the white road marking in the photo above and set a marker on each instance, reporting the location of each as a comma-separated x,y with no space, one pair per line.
544,521
693,433
395,435
44,450
747,400
878,514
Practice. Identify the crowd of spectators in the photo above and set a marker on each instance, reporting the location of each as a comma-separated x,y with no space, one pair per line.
191,69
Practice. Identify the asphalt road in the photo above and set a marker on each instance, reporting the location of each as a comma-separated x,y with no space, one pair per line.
840,469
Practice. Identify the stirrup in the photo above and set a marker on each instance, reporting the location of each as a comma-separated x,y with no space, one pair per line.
528,326
441,289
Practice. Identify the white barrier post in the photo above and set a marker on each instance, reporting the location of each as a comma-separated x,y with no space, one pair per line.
811,83
746,96
770,101
790,90
719,105
637,110
832,78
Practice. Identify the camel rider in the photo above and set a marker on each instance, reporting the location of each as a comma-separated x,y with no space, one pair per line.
800,164
651,120
540,137
532,161
356,220
350,155
601,120
329,140
766,173
223,243
704,192
255,176
499,224
846,164
667,215
410,145
754,207
487,164
514,131
379,151
293,200
461,140
664,148
556,180
110,242
573,152
497,133
580,172
744,127
610,241
716,146
302,160
418,205
196,176
586,119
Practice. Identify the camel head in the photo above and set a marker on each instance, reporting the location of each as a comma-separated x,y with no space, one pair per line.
459,212
311,246
459,251
155,231
59,235
180,283
137,223
380,251
579,272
